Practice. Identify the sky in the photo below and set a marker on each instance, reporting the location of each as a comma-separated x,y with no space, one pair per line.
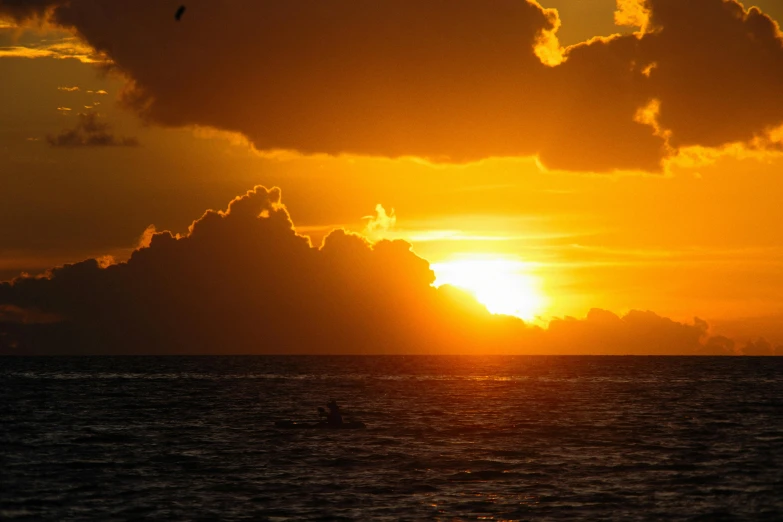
568,176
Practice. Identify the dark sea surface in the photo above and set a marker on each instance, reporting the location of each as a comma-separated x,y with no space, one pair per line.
447,438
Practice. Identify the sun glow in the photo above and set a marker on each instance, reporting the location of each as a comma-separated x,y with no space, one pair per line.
503,285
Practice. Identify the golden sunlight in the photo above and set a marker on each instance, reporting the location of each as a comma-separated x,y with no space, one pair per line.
504,285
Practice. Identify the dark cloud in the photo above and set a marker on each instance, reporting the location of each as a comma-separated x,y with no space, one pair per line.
718,70
449,80
243,281
23,10
761,346
90,131
14,314
240,281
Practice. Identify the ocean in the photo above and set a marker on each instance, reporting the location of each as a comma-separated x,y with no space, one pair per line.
447,438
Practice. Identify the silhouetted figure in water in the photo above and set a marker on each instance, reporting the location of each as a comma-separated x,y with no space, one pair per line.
179,13
334,418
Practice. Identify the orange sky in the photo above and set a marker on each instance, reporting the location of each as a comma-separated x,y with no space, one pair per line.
635,172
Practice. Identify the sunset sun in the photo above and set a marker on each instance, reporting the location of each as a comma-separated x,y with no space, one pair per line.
504,285
391,259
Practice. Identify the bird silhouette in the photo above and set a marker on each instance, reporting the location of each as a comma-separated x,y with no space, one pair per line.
179,12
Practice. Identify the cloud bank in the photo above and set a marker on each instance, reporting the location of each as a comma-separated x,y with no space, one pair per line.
243,281
448,80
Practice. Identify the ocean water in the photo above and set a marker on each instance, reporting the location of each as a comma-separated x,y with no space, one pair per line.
447,438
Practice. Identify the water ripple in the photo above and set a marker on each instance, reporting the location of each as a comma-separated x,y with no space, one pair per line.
448,438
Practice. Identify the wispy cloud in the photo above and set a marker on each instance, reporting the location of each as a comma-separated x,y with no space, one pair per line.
90,131
381,222
70,47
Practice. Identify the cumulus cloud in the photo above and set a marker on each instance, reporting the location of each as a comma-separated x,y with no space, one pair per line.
442,79
646,332
90,131
243,281
718,69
